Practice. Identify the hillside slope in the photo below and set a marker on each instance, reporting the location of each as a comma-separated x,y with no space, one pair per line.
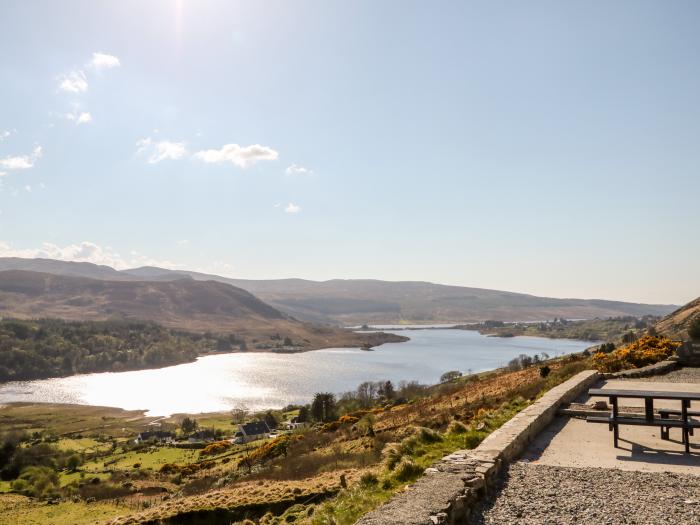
185,304
358,301
676,323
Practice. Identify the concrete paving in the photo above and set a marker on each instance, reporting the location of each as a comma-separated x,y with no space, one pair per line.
572,442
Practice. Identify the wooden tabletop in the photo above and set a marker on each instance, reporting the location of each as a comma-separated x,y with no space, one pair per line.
641,394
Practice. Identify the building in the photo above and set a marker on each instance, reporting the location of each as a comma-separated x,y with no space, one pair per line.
202,436
155,435
251,432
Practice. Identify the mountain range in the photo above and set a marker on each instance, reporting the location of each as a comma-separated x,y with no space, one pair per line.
337,301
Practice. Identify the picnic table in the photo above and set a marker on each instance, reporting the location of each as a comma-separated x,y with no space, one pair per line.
665,420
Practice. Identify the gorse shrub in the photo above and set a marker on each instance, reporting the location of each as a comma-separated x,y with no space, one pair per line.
642,352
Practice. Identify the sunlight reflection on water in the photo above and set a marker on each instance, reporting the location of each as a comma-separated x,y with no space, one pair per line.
264,380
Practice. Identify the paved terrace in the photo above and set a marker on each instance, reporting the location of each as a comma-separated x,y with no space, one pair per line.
571,473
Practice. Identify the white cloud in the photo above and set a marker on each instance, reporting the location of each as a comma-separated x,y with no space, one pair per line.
4,134
295,169
104,61
3,173
241,156
292,208
182,242
84,118
21,162
28,188
74,82
85,252
162,150
80,118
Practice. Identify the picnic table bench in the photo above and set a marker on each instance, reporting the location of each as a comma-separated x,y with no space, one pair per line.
664,421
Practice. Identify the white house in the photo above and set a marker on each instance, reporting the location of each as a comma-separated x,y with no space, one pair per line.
251,432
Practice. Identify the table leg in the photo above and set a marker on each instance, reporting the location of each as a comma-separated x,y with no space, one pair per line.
616,431
684,417
649,408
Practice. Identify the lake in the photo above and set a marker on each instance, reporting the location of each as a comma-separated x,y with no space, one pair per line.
268,380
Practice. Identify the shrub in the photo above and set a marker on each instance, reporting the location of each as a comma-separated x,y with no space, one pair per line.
215,448
473,438
457,427
642,352
694,329
392,454
348,420
369,479
428,435
407,469
450,376
544,371
39,482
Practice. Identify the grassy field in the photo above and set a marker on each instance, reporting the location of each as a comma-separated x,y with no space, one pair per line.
19,510
88,421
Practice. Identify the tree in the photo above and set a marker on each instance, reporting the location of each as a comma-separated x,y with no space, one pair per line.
629,337
386,390
450,376
694,329
39,482
303,416
73,462
189,425
239,414
366,393
323,407
270,419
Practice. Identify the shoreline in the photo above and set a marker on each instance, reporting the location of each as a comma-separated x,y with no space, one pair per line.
387,338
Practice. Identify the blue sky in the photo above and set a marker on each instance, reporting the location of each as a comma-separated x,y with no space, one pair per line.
541,147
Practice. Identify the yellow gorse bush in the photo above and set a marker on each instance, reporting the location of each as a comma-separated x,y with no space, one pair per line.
645,351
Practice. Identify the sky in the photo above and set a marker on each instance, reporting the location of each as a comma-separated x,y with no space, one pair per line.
544,147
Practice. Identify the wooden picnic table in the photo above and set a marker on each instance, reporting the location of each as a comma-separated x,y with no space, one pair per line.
665,422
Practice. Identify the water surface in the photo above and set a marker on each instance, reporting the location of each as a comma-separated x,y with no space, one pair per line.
267,380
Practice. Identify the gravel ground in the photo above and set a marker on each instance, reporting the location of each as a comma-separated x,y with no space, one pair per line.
542,495
683,375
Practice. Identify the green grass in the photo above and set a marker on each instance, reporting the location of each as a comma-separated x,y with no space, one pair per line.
19,510
66,478
83,445
347,507
149,458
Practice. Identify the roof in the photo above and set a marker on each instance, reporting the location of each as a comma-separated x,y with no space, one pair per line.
155,434
255,428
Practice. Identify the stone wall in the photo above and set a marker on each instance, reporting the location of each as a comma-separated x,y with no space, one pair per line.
447,491
662,367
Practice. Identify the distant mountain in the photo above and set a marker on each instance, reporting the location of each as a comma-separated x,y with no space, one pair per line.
372,301
185,304
676,323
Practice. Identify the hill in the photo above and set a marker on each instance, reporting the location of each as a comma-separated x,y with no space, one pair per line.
676,324
358,301
185,304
